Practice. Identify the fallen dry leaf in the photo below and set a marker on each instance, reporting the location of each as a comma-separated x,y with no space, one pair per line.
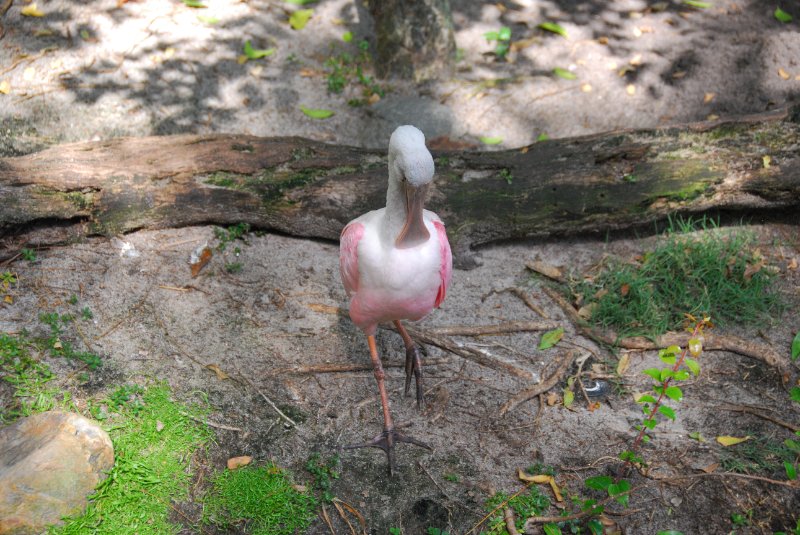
221,375
548,270
199,258
792,265
593,406
238,462
325,309
752,269
31,10
586,88
710,468
585,311
630,89
708,97
552,399
541,478
8,299
732,441
624,289
623,363
5,87
783,74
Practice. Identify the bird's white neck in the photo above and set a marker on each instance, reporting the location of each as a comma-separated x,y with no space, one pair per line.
395,214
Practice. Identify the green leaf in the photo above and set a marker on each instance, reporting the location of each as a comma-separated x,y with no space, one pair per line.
253,53
504,34
795,394
667,411
650,423
569,397
298,19
617,489
488,140
666,373
553,27
551,529
796,346
792,445
655,373
564,73
695,435
599,482
551,338
670,532
194,3
542,137
782,16
697,4
206,19
595,526
681,375
667,357
791,471
673,392
347,37
646,398
692,365
491,36
316,113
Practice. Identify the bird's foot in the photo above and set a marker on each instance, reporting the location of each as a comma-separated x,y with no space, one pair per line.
414,367
386,442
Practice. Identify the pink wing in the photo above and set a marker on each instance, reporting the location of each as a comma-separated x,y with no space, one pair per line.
348,256
446,271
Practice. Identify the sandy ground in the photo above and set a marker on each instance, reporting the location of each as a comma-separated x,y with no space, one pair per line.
151,67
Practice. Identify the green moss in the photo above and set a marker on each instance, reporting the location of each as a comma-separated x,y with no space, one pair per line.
82,201
223,179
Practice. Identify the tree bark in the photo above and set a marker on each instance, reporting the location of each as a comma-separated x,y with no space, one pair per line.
305,188
414,38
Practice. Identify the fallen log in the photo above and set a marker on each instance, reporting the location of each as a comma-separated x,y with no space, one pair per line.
569,186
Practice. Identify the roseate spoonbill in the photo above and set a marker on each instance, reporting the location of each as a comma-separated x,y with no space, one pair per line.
396,264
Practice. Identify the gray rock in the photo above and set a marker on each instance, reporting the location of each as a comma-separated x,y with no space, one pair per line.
49,463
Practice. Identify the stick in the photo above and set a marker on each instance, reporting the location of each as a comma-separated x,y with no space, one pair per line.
750,410
794,484
542,387
488,330
344,367
469,353
211,424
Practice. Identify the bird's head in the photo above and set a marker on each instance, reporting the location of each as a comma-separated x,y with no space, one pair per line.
411,166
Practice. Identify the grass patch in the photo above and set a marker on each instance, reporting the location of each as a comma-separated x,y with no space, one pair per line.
154,439
28,391
524,505
262,497
716,273
759,455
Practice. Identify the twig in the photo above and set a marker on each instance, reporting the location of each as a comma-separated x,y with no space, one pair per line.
711,342
488,515
345,367
488,330
523,295
794,484
542,387
750,410
324,514
511,526
469,353
271,404
130,312
210,424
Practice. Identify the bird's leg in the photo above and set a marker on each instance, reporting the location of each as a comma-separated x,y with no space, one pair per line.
413,363
390,435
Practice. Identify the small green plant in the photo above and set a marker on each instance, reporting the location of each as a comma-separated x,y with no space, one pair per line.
395,531
63,348
453,478
324,472
523,504
263,498
86,313
28,378
741,520
234,267
713,273
506,175
436,531
73,299
28,254
230,234
502,40
7,280
344,69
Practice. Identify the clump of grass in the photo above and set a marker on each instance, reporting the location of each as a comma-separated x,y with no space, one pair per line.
713,273
263,497
345,69
759,455
324,472
154,439
29,392
64,348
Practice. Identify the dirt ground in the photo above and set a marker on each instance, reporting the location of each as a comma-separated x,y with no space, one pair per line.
150,67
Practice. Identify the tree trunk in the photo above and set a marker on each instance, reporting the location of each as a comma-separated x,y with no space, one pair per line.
305,188
414,38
